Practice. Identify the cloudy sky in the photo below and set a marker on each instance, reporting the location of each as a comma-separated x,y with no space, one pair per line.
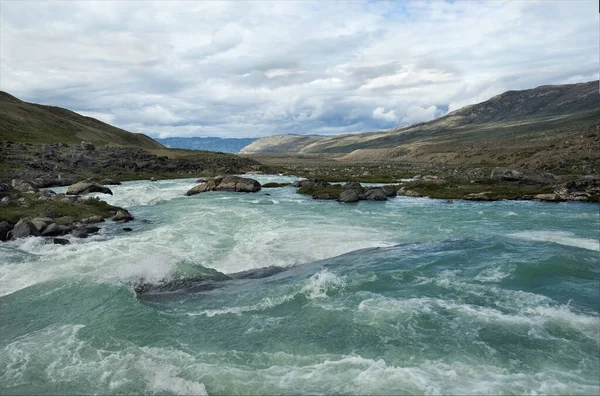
235,69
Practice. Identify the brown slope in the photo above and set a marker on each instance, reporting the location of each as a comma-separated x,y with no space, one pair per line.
511,115
34,123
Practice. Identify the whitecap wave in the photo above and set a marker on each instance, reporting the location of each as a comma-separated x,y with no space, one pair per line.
559,237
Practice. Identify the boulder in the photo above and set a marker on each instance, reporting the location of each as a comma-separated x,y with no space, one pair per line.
375,194
5,227
349,195
60,241
390,190
127,229
56,230
122,216
41,222
24,186
88,146
84,232
85,187
23,230
326,195
412,193
93,219
226,183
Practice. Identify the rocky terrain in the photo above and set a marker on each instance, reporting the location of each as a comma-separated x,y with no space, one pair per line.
62,164
551,128
25,211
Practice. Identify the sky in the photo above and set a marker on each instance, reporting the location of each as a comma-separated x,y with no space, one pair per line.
253,69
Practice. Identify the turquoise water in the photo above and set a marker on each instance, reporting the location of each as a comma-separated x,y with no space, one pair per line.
407,296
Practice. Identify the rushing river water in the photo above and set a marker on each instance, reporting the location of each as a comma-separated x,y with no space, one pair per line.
411,295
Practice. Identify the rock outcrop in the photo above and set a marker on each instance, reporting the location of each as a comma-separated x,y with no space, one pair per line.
226,183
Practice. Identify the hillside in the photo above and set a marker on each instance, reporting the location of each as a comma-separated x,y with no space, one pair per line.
509,117
224,145
24,122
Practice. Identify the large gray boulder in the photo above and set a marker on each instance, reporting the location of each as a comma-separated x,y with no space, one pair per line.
5,227
41,222
23,229
375,194
352,186
85,187
350,195
56,230
122,215
227,183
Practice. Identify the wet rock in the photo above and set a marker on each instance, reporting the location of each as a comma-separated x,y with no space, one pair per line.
60,241
85,187
127,229
352,186
5,227
349,195
390,190
122,216
227,183
41,222
375,194
56,230
412,193
23,230
93,219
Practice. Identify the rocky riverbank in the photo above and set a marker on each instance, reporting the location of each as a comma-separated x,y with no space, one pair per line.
60,164
25,211
503,184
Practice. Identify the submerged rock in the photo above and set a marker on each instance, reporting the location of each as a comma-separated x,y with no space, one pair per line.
60,241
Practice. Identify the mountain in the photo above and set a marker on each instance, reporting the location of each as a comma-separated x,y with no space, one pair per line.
513,115
24,122
224,145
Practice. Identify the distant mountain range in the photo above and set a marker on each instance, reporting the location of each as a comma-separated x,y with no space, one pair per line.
35,123
224,145
512,116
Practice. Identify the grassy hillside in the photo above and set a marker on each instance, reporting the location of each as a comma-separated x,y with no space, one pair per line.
33,123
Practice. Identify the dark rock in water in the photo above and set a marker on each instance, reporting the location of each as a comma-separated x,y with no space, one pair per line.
227,183
181,287
349,195
127,229
390,190
85,187
56,230
60,241
23,230
122,216
375,194
4,229
90,229
93,219
326,195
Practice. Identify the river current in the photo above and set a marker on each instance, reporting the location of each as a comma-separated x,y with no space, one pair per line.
411,295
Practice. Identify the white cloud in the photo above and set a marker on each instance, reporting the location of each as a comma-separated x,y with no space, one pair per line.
246,69
389,116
